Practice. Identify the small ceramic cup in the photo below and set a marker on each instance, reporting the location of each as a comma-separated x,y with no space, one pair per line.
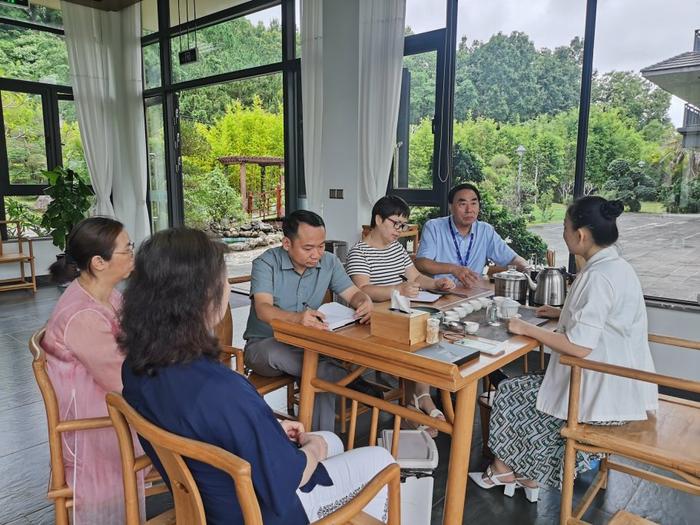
509,308
461,311
471,327
476,304
451,315
467,308
485,302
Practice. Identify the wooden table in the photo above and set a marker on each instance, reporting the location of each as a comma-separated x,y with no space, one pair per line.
356,345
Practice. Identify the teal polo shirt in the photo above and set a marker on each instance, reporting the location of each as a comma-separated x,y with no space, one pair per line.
274,273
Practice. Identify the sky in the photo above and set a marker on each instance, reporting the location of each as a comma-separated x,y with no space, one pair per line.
630,34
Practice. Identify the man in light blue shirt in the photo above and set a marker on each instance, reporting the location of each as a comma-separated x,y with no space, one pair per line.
459,245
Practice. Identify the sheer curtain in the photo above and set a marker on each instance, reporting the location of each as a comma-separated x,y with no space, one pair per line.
104,54
312,99
381,58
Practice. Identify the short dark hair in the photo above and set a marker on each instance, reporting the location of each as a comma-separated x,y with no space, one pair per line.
94,236
460,187
290,224
388,206
598,215
176,285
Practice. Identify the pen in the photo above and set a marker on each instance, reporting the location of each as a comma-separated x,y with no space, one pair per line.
307,307
405,279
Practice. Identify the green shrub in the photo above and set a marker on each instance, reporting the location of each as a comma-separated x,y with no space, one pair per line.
209,198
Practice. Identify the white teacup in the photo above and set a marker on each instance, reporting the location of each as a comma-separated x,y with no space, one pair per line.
471,327
467,308
451,315
509,308
485,302
476,304
461,311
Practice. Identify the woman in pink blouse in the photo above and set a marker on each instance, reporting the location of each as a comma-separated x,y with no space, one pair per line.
84,362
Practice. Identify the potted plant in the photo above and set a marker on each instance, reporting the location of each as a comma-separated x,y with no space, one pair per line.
70,201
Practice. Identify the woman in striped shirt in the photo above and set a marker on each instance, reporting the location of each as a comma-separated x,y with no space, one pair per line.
379,264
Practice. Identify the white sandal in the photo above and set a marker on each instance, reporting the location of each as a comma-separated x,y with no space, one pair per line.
435,412
495,481
532,494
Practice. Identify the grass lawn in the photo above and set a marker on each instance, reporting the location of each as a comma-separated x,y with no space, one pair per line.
556,213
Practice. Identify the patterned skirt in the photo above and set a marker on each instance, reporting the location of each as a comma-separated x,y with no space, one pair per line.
527,440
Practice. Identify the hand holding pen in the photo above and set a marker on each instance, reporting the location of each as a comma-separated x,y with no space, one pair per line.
312,318
408,288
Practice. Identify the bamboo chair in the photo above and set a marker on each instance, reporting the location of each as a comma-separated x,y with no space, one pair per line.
189,509
59,491
667,440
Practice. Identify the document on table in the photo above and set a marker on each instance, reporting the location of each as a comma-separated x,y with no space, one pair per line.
425,297
337,315
450,353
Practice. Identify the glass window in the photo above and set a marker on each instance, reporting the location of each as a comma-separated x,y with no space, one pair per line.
422,16
151,66
644,141
73,156
232,153
28,54
413,158
149,17
158,189
25,141
517,90
187,7
29,210
48,15
242,43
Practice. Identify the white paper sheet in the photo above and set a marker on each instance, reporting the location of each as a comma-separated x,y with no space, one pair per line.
337,315
425,297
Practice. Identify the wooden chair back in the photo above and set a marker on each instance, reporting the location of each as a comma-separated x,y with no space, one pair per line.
189,508
667,439
59,491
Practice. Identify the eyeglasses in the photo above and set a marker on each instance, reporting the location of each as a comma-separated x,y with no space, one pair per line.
129,249
398,225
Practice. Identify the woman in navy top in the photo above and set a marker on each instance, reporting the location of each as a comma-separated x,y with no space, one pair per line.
173,378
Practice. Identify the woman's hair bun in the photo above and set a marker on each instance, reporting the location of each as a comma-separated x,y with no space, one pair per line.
611,209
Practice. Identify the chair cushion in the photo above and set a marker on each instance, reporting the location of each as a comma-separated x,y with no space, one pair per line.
668,438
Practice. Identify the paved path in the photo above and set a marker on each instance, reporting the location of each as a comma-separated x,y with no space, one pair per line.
663,248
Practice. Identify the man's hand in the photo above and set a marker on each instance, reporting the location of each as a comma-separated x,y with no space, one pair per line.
293,429
465,276
409,289
314,444
363,308
444,284
313,319
548,311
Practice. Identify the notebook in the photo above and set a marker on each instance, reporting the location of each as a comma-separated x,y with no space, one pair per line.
425,297
337,315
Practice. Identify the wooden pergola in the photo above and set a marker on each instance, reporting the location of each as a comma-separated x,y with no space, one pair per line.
246,196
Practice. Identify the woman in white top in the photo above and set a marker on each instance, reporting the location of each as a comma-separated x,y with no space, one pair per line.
379,264
603,319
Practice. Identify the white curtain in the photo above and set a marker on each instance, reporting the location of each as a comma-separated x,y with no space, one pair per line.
381,58
312,100
104,54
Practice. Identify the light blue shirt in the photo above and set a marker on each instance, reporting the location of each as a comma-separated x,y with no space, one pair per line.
274,273
436,243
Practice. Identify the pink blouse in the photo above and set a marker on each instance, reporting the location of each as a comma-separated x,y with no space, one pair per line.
84,363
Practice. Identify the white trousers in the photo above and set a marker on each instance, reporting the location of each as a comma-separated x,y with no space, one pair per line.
350,472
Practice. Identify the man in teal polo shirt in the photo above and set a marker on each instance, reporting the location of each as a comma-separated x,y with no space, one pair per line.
289,283
459,245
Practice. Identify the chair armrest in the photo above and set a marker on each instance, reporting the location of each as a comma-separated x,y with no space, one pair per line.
239,279
631,373
390,475
84,424
674,341
142,462
228,352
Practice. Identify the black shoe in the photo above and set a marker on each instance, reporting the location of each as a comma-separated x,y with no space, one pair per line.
364,387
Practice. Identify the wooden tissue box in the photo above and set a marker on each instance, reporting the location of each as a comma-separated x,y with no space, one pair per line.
406,329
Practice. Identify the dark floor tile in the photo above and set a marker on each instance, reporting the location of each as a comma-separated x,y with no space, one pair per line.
664,505
19,521
25,477
43,516
158,504
23,427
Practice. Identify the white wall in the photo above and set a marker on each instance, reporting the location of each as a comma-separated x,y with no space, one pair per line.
685,323
44,252
340,158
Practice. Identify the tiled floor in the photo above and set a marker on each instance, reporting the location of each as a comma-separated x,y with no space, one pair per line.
24,458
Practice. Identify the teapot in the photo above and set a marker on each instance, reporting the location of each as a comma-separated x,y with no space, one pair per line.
549,287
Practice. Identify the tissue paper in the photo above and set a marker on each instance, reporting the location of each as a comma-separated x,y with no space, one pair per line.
400,303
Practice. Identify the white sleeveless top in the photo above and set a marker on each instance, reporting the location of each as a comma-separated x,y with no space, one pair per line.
604,311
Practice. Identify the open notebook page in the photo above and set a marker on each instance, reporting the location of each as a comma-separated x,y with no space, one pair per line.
337,315
425,297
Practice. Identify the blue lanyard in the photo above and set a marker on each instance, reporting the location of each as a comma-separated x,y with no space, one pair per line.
461,261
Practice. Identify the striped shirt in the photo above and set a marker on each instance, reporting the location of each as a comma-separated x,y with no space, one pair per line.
383,266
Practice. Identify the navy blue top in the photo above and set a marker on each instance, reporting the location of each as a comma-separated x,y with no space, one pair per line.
206,401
